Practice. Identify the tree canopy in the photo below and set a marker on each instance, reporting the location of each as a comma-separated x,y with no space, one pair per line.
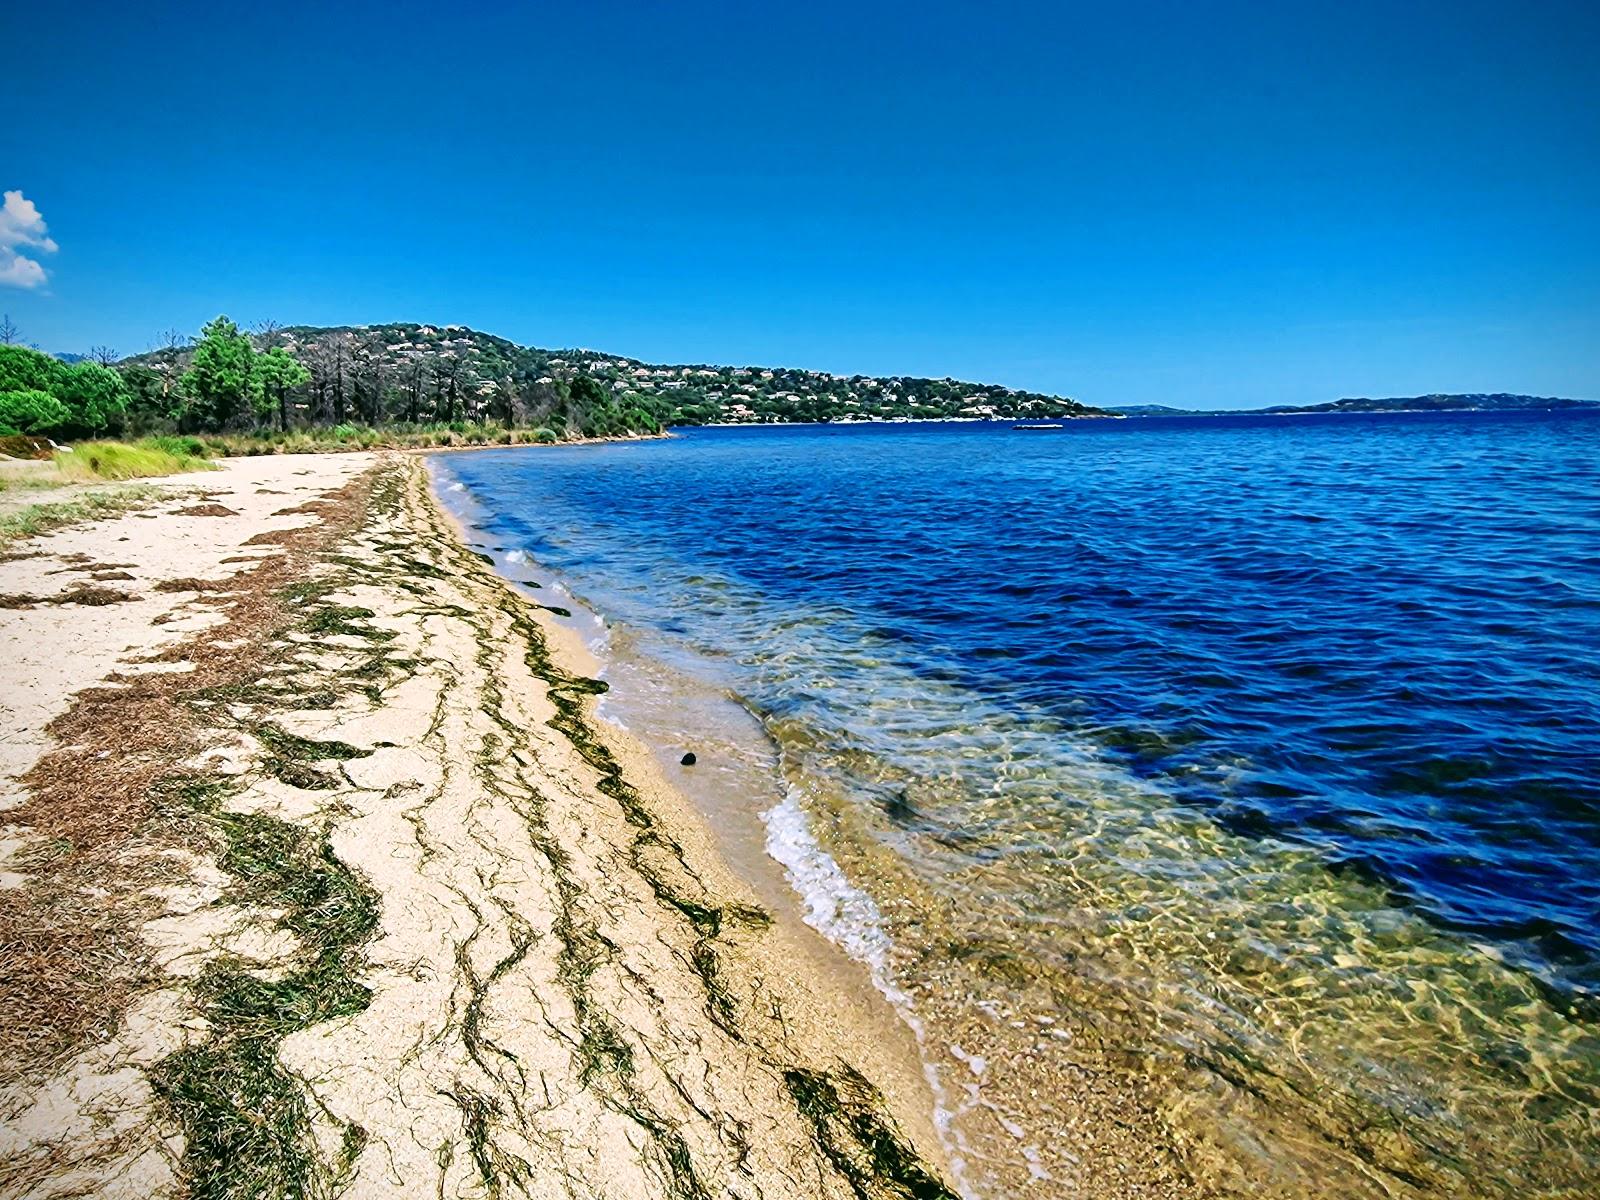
215,391
28,410
413,377
274,375
85,397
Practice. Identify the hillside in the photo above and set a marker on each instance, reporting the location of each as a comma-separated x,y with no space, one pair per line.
415,374
411,375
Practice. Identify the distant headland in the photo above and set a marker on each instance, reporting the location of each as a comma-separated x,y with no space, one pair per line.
1436,402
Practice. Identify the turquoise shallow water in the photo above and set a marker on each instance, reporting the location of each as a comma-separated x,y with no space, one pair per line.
1244,729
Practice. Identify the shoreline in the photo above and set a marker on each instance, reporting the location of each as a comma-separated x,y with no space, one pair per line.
727,798
378,905
848,986
1016,1118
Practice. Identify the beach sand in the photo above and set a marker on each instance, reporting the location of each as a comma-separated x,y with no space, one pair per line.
320,878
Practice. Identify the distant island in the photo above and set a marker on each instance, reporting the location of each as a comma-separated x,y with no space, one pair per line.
1436,402
1154,410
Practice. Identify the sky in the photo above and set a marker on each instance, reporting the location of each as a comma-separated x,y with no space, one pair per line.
1201,205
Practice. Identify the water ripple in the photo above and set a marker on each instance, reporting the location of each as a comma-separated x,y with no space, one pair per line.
1287,725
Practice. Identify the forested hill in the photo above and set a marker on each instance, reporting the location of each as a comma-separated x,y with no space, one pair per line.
420,374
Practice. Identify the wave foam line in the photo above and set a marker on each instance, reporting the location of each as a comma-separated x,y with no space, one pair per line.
849,918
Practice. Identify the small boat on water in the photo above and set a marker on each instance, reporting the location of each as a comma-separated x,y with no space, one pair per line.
1047,425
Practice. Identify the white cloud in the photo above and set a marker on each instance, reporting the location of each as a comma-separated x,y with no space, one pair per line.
22,228
17,271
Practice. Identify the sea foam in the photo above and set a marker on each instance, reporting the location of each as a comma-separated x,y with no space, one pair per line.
849,918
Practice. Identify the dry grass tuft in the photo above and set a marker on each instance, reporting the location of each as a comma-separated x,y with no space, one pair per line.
89,594
273,537
82,563
189,583
207,510
82,593
42,518
310,507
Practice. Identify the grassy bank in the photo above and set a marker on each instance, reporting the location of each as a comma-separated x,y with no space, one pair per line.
97,462
91,461
68,469
88,462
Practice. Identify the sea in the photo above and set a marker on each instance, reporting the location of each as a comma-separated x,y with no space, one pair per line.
1248,766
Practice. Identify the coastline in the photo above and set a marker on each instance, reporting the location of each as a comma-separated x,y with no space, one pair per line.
322,875
1110,986
610,439
1017,1115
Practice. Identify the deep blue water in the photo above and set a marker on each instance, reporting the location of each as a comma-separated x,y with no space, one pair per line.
1272,743
1376,635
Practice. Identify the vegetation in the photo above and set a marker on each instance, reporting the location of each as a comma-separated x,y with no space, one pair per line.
28,410
244,1117
41,394
41,518
120,460
411,384
392,385
401,384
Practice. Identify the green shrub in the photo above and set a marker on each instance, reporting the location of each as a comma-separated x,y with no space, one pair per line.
95,396
545,436
180,445
91,396
29,410
25,370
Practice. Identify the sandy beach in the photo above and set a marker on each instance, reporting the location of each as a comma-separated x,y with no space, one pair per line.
321,878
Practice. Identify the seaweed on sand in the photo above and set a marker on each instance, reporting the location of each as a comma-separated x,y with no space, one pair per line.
845,1112
244,1117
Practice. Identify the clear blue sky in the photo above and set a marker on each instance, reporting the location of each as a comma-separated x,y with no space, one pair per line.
1192,204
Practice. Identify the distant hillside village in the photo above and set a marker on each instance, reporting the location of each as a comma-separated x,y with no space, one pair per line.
413,374
491,370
